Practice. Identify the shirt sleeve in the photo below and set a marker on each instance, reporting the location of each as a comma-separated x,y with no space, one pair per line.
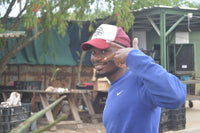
165,89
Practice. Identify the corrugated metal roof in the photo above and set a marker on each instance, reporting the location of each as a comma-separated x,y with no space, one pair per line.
166,7
12,34
191,20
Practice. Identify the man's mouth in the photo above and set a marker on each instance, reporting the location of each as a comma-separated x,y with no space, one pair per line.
99,66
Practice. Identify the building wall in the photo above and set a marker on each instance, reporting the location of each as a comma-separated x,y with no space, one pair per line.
152,38
194,38
65,77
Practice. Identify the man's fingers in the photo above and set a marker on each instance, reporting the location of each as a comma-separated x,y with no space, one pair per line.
112,57
134,44
109,57
114,44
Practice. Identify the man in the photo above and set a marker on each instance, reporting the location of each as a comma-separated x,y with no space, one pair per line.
139,86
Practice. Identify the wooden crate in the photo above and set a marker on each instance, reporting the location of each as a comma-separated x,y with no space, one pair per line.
102,84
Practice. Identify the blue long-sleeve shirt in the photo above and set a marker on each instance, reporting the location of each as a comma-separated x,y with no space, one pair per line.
135,99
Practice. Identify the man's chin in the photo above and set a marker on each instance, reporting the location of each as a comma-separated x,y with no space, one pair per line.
100,75
106,74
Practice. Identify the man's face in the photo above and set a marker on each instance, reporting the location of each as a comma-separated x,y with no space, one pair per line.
103,68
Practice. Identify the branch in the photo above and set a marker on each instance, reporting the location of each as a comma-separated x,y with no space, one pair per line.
20,13
19,46
47,127
2,43
8,11
18,20
22,127
108,20
16,23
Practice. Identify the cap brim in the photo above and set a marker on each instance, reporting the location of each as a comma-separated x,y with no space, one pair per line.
97,43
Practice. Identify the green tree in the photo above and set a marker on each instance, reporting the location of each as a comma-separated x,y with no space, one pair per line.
47,14
175,3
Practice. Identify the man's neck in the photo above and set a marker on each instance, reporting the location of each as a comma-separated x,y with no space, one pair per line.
117,74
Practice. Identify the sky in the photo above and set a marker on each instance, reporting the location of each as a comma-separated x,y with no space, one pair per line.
15,9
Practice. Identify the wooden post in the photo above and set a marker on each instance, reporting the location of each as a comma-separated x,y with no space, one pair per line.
49,114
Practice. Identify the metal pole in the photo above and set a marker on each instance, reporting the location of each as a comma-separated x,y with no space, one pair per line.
175,25
174,58
163,38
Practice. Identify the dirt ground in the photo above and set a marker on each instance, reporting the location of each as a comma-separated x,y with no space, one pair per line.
192,123
86,128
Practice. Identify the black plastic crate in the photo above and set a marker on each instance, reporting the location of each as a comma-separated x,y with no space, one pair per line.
87,86
15,113
13,118
180,110
28,85
172,126
4,87
25,107
164,127
20,85
33,85
165,115
177,117
6,127
177,125
172,119
80,87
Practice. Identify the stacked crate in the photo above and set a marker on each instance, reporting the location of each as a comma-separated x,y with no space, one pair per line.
164,120
11,117
27,85
178,118
173,119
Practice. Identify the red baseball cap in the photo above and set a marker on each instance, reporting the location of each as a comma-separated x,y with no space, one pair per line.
106,32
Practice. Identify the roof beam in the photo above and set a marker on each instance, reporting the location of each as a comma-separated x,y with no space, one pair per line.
154,25
174,26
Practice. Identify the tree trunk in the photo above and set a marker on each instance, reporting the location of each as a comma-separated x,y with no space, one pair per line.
80,66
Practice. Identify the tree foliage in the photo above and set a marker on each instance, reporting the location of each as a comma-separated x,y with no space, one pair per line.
47,14
41,15
175,3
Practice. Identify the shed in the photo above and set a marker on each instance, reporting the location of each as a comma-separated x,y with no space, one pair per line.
33,63
173,32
